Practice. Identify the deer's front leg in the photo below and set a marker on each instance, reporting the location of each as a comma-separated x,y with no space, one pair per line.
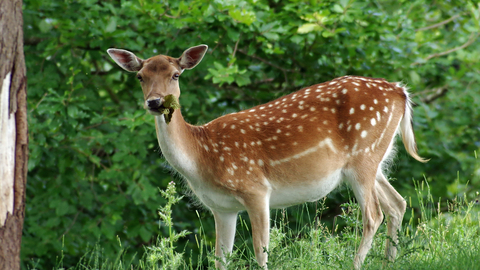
225,224
259,212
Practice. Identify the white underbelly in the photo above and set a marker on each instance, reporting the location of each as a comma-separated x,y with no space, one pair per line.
291,194
281,196
218,201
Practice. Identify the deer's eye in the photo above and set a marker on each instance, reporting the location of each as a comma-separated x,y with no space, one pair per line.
175,76
139,77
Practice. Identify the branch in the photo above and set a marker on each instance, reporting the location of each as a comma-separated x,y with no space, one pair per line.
33,41
112,95
88,48
270,64
71,224
430,95
266,62
438,24
471,39
95,125
235,50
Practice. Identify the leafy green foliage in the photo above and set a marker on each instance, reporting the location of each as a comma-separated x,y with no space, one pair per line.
94,162
315,246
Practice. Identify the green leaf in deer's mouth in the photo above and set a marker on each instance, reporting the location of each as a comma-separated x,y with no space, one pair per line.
168,107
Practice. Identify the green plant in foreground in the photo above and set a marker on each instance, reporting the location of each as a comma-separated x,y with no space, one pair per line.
437,240
164,251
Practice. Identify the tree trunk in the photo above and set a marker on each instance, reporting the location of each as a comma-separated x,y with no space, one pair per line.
13,133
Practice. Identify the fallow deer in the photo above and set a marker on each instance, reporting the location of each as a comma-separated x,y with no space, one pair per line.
295,149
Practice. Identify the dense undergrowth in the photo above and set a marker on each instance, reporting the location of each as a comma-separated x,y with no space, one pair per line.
436,236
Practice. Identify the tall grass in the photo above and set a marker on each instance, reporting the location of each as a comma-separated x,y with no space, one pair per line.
431,239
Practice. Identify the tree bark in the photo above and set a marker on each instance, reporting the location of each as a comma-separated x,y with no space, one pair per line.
13,133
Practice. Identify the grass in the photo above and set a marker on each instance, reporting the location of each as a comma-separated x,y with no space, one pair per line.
434,240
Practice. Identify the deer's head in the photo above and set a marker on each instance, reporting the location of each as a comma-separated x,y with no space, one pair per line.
158,75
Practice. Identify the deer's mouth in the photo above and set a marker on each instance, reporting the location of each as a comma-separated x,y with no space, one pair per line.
155,106
167,107
157,110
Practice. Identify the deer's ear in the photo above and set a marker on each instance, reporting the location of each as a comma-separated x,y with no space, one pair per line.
192,56
126,60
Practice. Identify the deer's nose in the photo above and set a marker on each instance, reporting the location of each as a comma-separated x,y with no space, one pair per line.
154,103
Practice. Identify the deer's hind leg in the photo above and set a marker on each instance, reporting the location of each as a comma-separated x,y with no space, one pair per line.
394,206
363,184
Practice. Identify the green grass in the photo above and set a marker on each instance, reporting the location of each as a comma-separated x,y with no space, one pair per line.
431,239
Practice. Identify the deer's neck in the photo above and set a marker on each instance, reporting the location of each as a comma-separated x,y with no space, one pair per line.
177,142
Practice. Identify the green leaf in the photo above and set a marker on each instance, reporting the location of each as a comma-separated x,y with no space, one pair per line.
218,65
327,34
242,80
145,234
232,34
297,39
344,3
337,8
72,111
112,25
271,36
414,77
52,222
62,208
107,229
242,16
308,27
44,26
